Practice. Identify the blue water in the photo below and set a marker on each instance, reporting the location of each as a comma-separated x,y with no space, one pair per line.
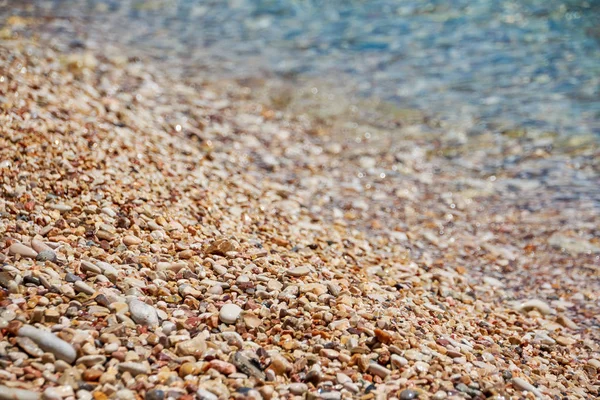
477,64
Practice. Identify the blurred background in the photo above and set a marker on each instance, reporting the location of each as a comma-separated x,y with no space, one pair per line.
476,64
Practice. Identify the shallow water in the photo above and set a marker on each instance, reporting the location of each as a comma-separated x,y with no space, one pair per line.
479,64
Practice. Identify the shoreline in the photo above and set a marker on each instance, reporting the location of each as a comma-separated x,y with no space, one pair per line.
138,204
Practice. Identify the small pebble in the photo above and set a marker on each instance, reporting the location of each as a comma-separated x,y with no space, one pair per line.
46,255
229,313
408,394
299,271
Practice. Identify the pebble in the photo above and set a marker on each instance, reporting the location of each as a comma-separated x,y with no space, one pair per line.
222,366
299,271
155,394
142,313
47,341
194,347
536,304
30,347
134,368
204,394
91,360
439,395
46,255
522,384
81,286
229,313
408,394
378,370
398,361
131,240
22,250
10,393
298,388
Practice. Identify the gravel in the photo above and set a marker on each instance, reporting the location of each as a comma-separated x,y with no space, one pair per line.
210,239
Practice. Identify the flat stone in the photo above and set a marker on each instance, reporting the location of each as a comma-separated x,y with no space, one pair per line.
22,250
408,394
229,313
131,240
523,385
536,304
299,271
298,388
91,360
222,366
47,341
46,255
194,347
30,347
9,393
142,313
40,246
81,286
204,394
245,365
379,370
134,368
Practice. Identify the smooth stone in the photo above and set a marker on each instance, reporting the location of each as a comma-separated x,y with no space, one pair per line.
91,360
222,366
522,384
408,394
81,286
40,246
194,347
536,304
9,393
90,268
299,271
142,313
71,278
204,394
440,395
155,394
46,255
131,240
379,370
229,313
398,361
298,388
134,368
22,250
108,270
47,341
30,347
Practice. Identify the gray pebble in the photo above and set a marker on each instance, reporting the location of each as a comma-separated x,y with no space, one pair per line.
47,341
408,394
46,255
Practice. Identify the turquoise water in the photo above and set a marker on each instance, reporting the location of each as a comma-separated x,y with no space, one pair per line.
477,64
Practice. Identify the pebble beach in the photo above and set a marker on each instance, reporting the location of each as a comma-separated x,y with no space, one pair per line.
165,235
